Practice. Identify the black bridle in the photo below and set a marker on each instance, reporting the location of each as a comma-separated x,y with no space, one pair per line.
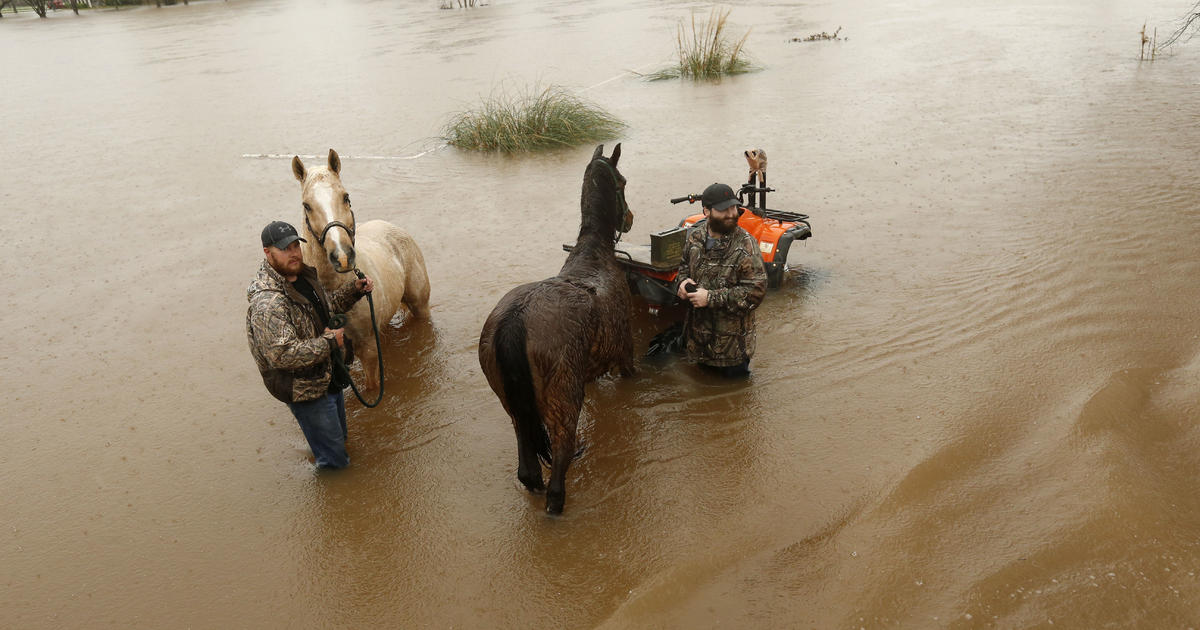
622,205
330,226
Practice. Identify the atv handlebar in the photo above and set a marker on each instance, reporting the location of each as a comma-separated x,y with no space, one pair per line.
746,188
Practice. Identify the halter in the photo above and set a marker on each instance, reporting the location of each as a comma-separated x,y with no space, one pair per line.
622,205
330,226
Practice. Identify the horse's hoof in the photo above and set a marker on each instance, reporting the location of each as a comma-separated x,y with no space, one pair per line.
554,505
537,487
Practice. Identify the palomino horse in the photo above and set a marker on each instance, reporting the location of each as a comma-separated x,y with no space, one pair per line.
545,340
384,252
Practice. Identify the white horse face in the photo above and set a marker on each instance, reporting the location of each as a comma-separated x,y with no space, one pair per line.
327,214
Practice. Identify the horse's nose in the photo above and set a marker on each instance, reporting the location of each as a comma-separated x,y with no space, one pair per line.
341,259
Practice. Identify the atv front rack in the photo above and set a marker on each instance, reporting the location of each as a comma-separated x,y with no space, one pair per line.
780,215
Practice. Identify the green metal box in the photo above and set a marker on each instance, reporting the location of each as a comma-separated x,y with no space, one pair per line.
666,247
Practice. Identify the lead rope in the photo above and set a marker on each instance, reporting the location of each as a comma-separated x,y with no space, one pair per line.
339,364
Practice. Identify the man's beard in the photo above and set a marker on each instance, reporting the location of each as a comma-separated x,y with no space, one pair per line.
281,264
722,226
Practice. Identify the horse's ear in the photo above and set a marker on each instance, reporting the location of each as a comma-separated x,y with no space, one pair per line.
335,162
616,154
599,152
298,168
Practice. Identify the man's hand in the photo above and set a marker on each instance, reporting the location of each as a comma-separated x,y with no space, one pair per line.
699,299
683,287
364,285
337,336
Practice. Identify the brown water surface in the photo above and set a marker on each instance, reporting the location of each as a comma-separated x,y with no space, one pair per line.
974,404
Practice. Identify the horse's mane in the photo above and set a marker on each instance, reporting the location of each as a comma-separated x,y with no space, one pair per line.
598,201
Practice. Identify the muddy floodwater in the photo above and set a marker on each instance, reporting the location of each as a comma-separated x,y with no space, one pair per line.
974,404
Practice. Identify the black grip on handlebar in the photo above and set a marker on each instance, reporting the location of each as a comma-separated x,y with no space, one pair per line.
682,199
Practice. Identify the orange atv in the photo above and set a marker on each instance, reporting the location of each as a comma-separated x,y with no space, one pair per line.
652,268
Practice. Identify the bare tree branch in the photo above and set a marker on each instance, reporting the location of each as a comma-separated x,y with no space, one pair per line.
1184,32
39,7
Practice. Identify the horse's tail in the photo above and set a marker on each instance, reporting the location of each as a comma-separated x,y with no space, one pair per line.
509,343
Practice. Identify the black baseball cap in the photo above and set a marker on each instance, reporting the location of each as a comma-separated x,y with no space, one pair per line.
718,197
280,234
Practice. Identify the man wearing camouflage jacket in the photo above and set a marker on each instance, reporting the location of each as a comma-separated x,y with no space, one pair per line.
287,328
722,277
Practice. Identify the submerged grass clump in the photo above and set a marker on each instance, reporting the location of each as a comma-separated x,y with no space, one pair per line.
551,118
707,52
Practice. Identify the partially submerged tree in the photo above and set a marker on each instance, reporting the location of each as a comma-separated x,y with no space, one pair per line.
38,6
1189,24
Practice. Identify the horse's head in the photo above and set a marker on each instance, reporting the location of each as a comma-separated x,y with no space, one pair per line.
327,214
603,180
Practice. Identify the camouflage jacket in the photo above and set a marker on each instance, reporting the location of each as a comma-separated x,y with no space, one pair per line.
286,336
722,333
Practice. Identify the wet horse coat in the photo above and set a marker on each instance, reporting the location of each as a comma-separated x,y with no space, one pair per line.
382,251
546,340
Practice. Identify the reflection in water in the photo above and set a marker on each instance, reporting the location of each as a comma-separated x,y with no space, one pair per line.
972,403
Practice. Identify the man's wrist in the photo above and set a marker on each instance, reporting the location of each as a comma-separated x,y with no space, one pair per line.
714,297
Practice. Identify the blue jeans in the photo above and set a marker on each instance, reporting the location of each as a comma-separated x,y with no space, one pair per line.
323,422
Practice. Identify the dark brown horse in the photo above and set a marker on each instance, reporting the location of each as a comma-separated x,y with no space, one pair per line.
545,340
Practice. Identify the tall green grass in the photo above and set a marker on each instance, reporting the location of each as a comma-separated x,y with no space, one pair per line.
534,121
707,52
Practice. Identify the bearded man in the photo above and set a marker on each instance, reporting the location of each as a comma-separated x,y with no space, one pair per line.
287,326
722,277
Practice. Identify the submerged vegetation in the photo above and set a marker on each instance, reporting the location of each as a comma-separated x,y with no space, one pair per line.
1153,43
546,119
707,51
821,37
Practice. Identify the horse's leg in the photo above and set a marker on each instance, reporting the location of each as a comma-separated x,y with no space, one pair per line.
561,424
416,287
564,453
420,310
625,361
370,362
622,338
